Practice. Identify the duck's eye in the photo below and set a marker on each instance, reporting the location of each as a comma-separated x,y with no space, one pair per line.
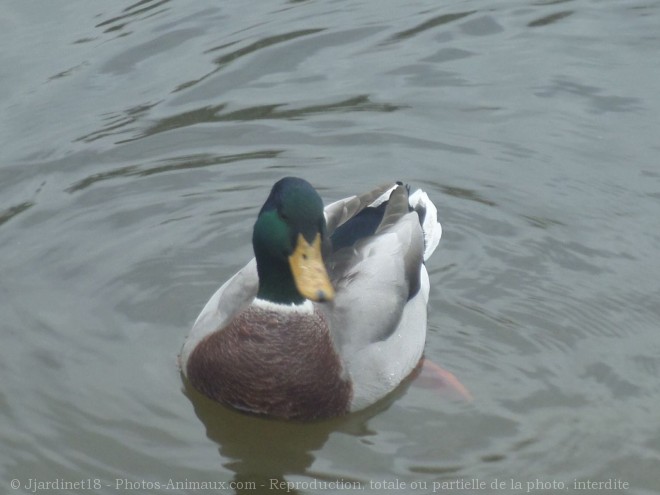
284,216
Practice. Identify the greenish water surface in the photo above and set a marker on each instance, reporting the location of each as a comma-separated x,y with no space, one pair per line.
139,140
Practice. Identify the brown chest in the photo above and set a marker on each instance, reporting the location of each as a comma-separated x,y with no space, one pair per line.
277,364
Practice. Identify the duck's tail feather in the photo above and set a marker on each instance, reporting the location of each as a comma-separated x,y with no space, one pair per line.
343,210
340,212
428,217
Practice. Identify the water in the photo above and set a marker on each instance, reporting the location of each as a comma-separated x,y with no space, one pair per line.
140,139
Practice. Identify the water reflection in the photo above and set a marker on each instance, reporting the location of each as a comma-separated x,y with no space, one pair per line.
550,19
272,111
178,163
224,60
260,449
12,211
129,13
430,24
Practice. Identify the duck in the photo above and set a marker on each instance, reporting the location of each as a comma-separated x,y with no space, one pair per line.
330,315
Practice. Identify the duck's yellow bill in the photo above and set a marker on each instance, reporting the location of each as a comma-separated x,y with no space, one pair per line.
309,272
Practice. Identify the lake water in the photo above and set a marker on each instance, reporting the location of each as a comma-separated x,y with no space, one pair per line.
139,141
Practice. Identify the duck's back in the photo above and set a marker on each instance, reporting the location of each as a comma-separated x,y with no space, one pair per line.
378,317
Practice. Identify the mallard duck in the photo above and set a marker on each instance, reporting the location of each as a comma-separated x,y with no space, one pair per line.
330,315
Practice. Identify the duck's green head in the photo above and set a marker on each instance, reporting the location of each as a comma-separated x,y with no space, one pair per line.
287,240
